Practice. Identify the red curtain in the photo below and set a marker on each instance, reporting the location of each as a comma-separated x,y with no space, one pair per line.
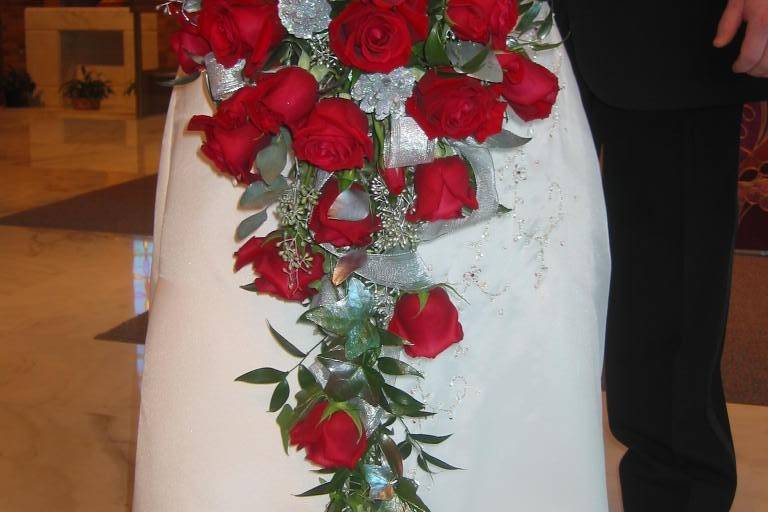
753,179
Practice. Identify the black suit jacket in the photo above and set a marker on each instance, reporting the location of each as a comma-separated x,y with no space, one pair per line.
654,55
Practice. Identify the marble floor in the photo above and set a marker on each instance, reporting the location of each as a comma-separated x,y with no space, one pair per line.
68,403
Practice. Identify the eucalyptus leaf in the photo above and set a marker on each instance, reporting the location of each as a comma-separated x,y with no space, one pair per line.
250,224
475,60
271,160
429,439
392,366
182,80
284,343
505,140
525,23
259,195
262,376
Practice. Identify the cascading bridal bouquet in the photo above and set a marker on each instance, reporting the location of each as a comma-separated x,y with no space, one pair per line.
368,124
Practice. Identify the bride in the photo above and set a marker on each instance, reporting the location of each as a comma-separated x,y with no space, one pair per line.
516,382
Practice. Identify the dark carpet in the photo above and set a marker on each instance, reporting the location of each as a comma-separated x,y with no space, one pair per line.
126,208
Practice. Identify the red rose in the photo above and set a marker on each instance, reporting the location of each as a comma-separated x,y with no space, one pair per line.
334,136
442,190
455,107
331,443
238,29
340,233
274,276
232,147
483,21
187,43
285,97
374,39
430,330
394,178
530,88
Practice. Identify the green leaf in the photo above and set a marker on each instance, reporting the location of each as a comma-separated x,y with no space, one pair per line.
250,287
285,422
271,160
402,398
262,376
306,379
250,224
423,464
414,413
342,386
437,462
279,396
546,26
505,140
392,366
259,195
501,210
406,490
423,298
390,339
284,343
434,48
320,490
405,448
362,336
428,439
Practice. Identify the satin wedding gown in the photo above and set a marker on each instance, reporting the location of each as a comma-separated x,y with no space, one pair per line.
521,393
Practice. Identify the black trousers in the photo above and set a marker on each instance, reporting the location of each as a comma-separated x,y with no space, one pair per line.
670,182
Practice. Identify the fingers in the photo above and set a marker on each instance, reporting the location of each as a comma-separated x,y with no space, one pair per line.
730,22
761,69
753,48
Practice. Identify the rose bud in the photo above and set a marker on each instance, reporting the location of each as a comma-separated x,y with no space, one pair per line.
430,330
239,29
483,21
375,39
331,443
274,276
232,147
187,43
340,233
530,88
334,137
455,107
394,179
442,190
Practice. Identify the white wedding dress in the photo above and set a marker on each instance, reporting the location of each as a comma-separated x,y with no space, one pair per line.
521,393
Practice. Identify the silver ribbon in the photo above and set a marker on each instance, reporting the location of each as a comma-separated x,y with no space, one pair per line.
223,81
487,197
407,144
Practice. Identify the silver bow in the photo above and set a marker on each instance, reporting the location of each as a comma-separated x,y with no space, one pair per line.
407,144
223,81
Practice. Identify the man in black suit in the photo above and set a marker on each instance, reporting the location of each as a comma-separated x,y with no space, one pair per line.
664,85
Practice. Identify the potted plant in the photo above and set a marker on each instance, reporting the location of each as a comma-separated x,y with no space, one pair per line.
87,92
17,88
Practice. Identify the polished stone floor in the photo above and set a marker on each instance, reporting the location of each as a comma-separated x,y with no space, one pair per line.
68,403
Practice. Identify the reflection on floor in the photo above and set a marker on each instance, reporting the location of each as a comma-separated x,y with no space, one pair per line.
69,403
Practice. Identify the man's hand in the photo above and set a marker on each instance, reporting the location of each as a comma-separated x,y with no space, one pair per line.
753,58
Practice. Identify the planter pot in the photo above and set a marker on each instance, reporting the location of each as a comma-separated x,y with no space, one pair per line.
86,103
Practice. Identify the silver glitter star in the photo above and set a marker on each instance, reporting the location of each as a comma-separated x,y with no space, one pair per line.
384,94
302,18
